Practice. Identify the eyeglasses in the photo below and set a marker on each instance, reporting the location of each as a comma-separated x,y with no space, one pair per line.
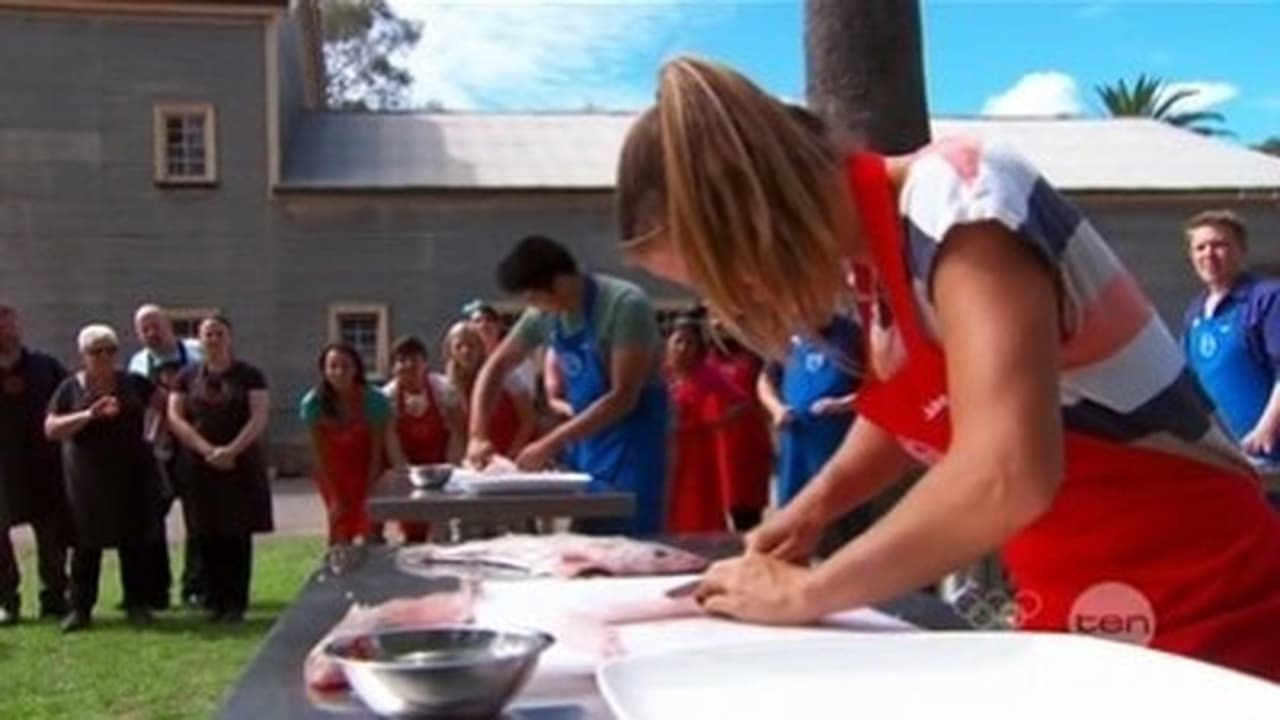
103,350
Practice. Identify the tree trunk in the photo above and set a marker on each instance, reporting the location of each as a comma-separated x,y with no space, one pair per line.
865,70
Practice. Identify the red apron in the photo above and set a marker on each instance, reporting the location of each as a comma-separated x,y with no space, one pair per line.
747,450
1199,542
348,447
701,399
425,440
504,424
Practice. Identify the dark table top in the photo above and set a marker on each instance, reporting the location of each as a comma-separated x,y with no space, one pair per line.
397,499
272,686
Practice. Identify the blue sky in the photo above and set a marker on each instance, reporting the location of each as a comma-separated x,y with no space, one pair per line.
1029,57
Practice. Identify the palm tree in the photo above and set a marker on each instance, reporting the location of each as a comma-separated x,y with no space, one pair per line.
865,70
1150,97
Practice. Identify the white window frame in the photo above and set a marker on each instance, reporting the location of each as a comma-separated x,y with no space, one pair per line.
383,342
160,135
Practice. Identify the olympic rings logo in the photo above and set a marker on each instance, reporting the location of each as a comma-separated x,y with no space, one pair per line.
996,609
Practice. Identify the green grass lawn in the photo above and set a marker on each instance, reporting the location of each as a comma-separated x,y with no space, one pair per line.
178,668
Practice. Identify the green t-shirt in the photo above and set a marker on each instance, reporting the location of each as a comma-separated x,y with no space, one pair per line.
377,408
624,317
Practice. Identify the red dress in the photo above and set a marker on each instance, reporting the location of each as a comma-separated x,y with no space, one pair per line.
348,446
747,450
701,399
1197,541
424,439
504,421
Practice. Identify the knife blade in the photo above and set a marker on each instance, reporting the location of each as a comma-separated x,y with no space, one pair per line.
684,589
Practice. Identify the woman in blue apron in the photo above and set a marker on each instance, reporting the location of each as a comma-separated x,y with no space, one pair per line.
810,399
604,336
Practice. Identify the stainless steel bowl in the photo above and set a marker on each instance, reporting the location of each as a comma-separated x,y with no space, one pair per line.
430,477
459,672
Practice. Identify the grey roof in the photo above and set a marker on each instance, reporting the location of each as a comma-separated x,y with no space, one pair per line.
373,151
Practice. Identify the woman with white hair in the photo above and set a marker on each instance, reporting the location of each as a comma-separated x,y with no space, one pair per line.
98,415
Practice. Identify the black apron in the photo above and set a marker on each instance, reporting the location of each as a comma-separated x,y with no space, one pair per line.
30,465
110,471
225,503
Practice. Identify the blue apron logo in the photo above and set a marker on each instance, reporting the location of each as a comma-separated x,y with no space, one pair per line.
571,363
814,362
1208,345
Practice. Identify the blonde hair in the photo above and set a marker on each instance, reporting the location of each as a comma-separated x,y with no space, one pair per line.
461,378
1222,219
746,189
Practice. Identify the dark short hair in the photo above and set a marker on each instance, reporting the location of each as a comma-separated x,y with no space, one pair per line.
408,346
534,264
1223,218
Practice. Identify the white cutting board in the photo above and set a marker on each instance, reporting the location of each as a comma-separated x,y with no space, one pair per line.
983,676
566,672
500,483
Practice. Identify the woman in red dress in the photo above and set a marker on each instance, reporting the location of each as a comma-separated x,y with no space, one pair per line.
513,422
428,416
1011,354
705,404
748,440
349,424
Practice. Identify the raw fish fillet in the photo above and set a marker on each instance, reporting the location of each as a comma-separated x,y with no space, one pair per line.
322,673
563,555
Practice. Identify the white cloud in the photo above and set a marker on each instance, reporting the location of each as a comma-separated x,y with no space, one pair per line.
1037,94
521,54
1207,94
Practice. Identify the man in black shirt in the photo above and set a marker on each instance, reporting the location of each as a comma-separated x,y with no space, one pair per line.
31,487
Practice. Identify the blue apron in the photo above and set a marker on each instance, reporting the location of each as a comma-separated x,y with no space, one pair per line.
629,456
1229,371
808,441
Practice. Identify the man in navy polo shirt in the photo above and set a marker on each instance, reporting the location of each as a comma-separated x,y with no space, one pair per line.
1231,334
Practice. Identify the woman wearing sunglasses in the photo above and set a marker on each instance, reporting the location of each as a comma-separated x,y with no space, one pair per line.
98,415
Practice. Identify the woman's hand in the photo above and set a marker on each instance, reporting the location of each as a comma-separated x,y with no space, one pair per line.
758,588
537,455
1260,441
788,534
107,406
480,452
830,406
221,458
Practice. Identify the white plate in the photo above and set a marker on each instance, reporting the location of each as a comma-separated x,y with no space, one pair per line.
985,676
482,483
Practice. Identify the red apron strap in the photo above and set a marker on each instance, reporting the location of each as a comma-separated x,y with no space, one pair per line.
882,229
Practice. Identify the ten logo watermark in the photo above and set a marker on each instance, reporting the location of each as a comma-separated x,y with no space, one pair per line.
1114,611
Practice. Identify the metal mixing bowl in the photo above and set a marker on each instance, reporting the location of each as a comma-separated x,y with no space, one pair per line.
430,477
458,672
